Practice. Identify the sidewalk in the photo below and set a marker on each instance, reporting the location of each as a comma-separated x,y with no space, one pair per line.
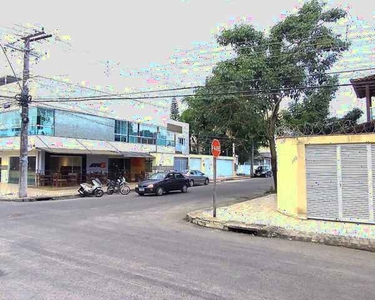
9,192
260,217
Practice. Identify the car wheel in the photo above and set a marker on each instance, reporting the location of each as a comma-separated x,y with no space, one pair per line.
159,191
99,193
191,182
206,181
184,188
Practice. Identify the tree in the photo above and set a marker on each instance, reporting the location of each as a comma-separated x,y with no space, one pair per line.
268,69
175,115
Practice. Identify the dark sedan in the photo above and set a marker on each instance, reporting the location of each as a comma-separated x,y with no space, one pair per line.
160,183
263,171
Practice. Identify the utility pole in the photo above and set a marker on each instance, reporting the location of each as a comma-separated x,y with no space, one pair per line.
234,158
24,100
252,159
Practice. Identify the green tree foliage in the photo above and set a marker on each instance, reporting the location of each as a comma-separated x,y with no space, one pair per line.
268,69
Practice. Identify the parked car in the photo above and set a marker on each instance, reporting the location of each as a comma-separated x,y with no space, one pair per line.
262,171
160,183
196,177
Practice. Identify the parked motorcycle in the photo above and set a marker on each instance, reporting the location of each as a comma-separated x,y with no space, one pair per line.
92,190
118,186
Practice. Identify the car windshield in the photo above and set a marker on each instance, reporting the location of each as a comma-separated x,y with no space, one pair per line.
157,176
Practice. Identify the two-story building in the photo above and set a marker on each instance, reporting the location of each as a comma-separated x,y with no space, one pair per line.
65,141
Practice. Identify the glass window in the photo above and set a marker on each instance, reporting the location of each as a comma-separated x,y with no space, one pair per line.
14,170
121,131
133,132
147,133
170,175
162,136
41,121
45,119
157,176
180,176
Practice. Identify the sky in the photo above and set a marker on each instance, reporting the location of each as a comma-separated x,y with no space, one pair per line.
130,45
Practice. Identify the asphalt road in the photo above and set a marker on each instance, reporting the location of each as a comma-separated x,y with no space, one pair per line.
130,247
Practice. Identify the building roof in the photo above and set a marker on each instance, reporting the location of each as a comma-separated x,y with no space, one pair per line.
359,85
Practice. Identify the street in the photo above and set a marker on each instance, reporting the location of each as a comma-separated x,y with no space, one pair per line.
131,247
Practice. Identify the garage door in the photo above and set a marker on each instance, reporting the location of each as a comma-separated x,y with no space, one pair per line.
224,168
195,164
180,164
340,182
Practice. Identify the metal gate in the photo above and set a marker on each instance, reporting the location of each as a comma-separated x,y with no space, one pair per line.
224,168
195,164
340,182
180,164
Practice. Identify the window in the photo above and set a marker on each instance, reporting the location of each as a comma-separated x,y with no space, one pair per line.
133,132
180,176
44,123
192,172
170,175
181,141
147,133
14,170
121,131
162,137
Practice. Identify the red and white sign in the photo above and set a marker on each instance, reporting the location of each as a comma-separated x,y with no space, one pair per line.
215,148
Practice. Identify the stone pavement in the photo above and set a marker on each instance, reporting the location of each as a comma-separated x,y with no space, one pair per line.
9,192
260,217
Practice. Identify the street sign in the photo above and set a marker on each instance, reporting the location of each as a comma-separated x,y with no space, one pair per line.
215,148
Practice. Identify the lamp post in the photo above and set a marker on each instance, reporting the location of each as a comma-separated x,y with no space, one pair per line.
156,140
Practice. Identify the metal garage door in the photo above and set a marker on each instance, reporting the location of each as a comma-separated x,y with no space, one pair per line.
180,164
340,182
195,164
224,168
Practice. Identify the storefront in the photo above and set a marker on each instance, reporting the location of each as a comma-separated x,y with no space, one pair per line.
14,170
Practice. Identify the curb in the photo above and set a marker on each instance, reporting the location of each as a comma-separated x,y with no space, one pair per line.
45,198
279,232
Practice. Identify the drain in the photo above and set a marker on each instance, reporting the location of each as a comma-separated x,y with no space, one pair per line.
251,231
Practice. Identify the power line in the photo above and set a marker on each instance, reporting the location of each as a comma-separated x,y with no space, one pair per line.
188,88
10,64
244,93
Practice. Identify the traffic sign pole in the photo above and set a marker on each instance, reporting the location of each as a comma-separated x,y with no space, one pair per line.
214,196
215,150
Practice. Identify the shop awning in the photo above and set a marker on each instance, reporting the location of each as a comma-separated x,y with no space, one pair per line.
136,155
59,145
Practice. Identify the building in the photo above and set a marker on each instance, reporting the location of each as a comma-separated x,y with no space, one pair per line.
365,88
65,142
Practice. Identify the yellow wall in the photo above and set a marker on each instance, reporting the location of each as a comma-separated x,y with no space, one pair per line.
291,170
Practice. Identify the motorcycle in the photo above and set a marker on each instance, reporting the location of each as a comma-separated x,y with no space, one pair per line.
92,190
118,186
